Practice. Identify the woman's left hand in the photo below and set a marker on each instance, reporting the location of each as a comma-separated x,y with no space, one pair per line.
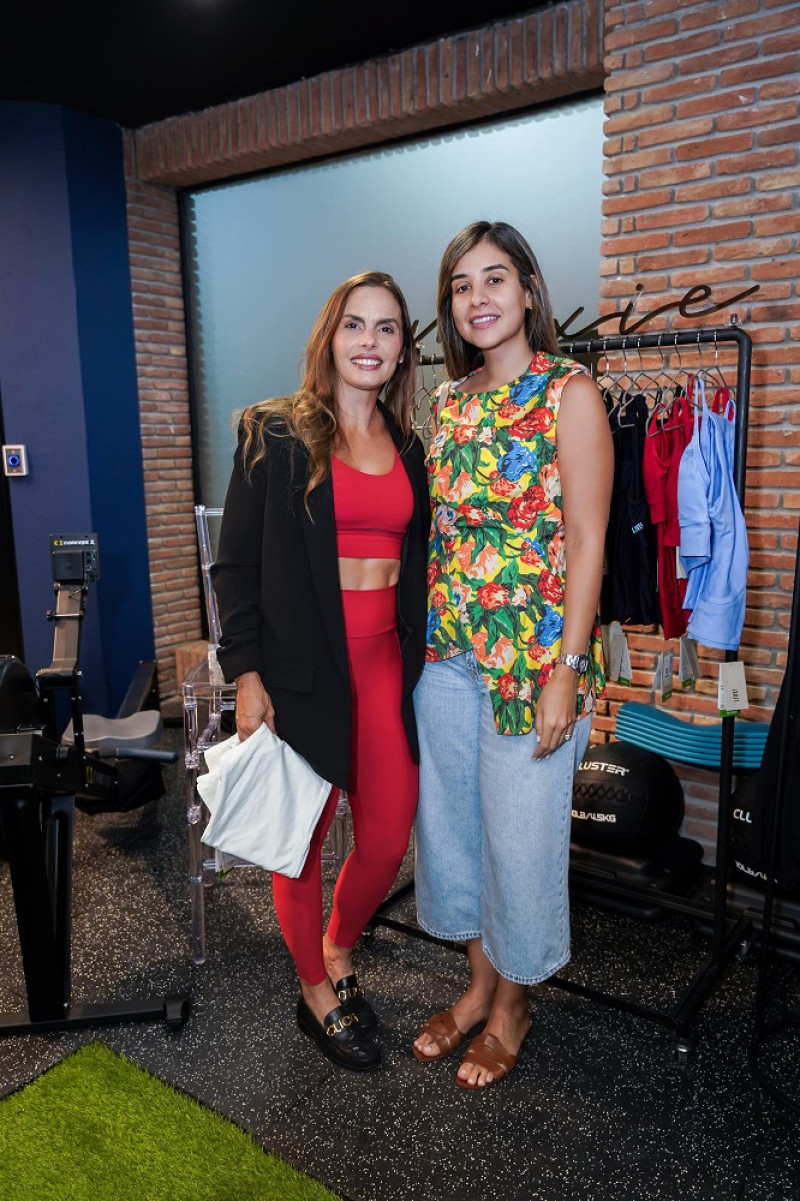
555,710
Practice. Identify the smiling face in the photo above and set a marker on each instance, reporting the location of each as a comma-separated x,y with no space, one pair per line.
488,300
368,341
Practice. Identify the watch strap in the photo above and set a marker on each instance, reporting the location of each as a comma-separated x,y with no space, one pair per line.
578,663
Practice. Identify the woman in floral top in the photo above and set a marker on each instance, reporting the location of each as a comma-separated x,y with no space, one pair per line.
520,470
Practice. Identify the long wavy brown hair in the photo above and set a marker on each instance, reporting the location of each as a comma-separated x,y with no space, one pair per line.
461,356
310,414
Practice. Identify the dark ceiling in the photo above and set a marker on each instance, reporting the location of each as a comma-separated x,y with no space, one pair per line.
137,61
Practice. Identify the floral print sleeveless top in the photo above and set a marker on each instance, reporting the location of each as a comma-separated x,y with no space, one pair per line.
497,565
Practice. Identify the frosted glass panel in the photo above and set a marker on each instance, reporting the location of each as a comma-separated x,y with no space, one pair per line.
264,254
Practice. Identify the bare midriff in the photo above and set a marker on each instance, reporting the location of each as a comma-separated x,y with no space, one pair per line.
365,575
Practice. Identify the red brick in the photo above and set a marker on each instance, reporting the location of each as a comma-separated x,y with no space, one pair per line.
639,78
679,48
722,13
717,102
546,37
779,180
670,217
674,175
757,160
635,201
751,205
713,231
639,119
631,244
712,189
763,24
631,35
678,258
761,115
777,88
560,40
783,223
763,69
779,134
677,131
531,48
714,147
516,53
782,269
722,56
629,163
678,89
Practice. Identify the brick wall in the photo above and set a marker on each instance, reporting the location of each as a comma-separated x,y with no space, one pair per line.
508,65
703,186
160,339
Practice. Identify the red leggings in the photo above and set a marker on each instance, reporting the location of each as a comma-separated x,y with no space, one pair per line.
382,795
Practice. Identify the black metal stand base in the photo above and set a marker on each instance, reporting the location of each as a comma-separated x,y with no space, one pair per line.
681,1018
38,827
173,1010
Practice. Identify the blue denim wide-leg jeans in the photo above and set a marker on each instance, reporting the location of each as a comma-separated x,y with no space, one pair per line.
493,827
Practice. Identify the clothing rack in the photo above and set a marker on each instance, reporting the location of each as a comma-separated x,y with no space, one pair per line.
726,938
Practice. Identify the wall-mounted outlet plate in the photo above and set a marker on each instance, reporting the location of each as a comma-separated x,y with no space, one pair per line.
15,460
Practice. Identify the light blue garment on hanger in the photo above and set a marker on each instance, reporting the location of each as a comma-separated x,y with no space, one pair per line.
713,545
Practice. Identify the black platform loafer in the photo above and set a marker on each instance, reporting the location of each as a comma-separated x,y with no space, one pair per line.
340,1039
351,995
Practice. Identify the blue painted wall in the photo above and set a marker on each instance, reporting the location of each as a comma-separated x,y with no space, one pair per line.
68,382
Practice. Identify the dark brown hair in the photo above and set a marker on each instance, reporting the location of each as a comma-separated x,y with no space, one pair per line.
310,414
461,356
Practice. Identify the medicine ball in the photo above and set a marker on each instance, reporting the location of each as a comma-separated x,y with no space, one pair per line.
625,800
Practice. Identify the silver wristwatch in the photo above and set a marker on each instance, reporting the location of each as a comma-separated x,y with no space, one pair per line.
579,663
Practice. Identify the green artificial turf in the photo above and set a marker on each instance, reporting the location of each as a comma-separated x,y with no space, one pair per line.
98,1128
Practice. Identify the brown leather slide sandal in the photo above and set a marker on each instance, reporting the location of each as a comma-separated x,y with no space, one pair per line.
445,1033
487,1052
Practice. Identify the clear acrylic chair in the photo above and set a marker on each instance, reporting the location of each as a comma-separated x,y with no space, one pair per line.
208,708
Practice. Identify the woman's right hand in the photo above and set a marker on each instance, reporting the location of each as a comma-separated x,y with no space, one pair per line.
253,705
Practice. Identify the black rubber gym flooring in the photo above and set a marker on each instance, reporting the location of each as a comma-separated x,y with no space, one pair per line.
597,1108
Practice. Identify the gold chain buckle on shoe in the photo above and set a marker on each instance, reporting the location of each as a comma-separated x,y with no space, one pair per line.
350,994
341,1024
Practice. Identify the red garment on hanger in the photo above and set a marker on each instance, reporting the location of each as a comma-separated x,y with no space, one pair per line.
663,448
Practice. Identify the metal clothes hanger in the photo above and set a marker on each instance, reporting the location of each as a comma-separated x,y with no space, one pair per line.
665,415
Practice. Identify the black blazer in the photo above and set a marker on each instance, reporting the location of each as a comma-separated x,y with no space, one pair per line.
277,583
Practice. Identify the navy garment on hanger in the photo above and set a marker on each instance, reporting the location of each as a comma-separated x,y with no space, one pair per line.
629,585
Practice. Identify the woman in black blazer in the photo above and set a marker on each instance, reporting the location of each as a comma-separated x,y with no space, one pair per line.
320,579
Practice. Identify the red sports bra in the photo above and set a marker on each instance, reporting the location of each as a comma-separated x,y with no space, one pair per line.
372,511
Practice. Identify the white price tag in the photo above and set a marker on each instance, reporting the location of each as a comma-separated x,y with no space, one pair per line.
625,671
667,658
688,663
619,659
680,570
617,645
732,690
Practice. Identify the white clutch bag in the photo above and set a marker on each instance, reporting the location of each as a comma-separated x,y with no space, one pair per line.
264,799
